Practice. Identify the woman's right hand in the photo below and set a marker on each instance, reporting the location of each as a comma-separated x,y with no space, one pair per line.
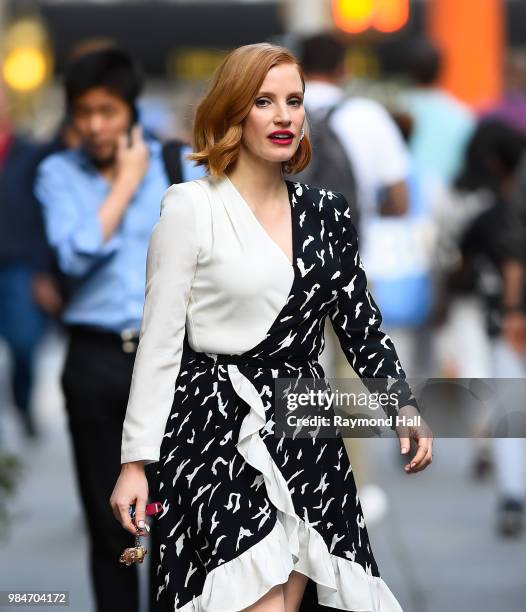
131,488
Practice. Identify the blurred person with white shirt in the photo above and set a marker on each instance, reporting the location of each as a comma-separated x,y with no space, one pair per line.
368,133
372,140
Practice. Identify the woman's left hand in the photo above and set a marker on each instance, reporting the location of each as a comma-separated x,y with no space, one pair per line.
421,434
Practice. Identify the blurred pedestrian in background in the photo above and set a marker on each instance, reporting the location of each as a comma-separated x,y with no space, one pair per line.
440,128
28,290
512,108
405,277
368,134
442,123
100,203
493,255
322,56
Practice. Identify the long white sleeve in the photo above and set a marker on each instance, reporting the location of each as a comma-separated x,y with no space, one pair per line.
170,269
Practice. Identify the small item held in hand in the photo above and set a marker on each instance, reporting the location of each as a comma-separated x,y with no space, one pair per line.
137,553
153,508
134,554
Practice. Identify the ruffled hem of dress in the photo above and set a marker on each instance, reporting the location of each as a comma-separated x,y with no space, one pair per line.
242,581
291,545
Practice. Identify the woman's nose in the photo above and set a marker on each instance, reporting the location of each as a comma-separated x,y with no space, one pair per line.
283,120
283,115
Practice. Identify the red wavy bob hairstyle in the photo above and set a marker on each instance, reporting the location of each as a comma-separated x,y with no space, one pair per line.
218,122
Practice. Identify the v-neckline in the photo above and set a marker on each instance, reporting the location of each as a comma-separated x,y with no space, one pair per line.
260,225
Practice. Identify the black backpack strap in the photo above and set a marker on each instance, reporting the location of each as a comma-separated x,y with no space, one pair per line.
334,107
328,111
172,160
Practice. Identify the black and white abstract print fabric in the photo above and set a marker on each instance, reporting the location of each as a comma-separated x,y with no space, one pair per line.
243,507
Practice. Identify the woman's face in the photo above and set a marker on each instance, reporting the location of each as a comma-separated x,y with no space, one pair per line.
272,128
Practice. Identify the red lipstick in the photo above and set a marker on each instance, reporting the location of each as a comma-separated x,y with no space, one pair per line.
281,137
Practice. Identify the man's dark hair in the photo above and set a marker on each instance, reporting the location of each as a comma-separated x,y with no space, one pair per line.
109,67
425,62
492,154
321,53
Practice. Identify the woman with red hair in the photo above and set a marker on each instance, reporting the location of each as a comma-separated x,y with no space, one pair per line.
249,265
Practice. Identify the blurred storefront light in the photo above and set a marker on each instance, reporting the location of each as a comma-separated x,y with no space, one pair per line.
391,15
24,69
355,16
26,58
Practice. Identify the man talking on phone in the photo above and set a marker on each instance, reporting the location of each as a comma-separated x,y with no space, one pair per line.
100,203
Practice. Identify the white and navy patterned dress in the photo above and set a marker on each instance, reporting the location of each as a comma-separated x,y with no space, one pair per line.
242,507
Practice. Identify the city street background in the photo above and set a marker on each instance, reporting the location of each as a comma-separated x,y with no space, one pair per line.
437,536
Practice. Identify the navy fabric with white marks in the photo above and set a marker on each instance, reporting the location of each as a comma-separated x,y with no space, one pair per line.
233,493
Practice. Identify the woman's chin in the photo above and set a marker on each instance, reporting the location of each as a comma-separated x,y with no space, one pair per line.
278,156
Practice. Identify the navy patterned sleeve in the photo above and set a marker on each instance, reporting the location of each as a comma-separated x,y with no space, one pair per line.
356,320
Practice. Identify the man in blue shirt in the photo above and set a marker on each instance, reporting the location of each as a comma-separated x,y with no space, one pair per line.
100,203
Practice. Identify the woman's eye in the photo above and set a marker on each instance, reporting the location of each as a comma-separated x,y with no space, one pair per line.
264,101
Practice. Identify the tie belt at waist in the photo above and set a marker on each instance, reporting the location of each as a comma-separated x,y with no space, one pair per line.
277,363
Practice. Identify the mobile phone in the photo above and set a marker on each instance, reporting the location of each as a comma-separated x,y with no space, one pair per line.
129,134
